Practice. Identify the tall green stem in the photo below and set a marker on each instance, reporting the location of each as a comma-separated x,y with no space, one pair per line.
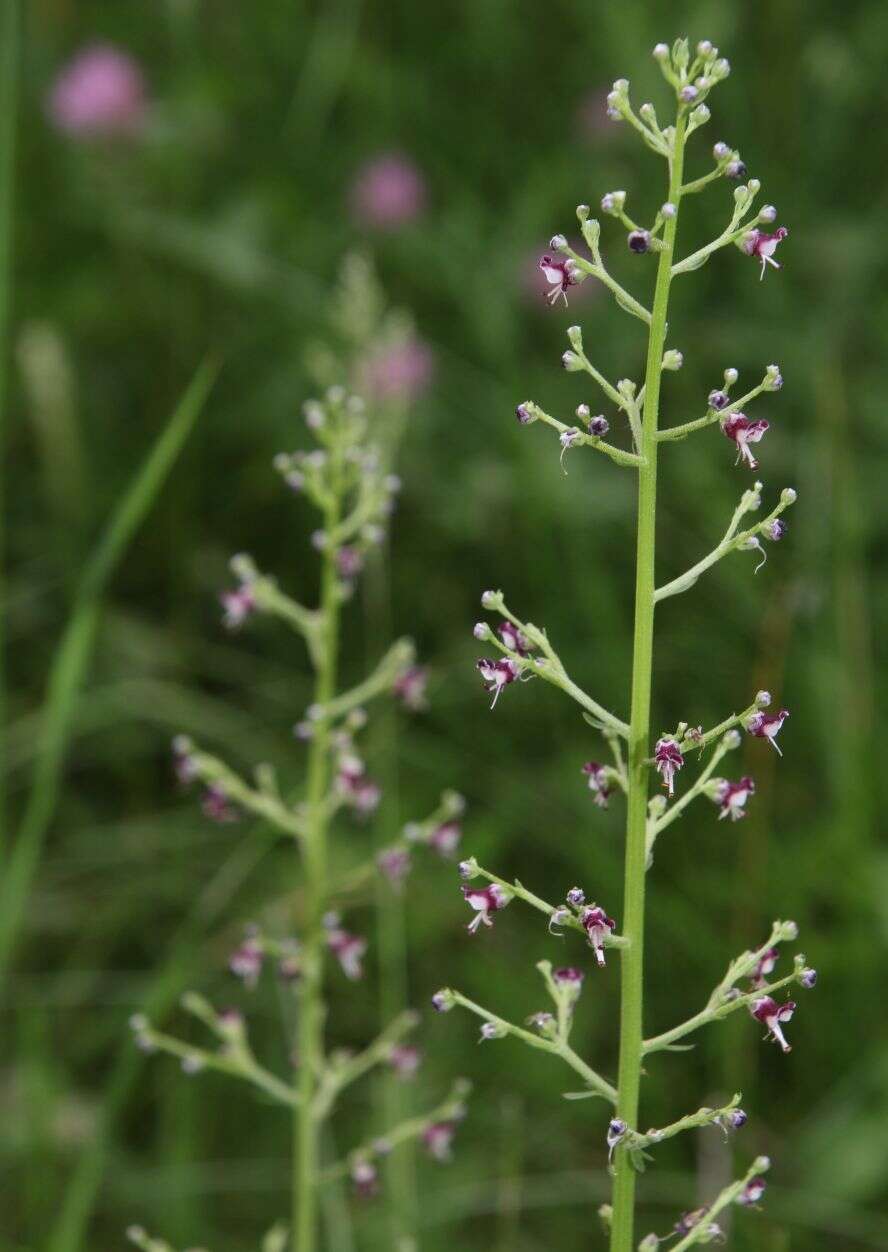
632,957
311,1001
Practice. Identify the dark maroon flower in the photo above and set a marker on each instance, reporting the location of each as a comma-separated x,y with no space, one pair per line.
668,760
639,241
597,925
743,432
766,1010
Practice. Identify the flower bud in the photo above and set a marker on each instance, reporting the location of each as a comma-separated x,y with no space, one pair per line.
468,869
490,599
591,233
482,631
732,739
761,1164
524,413
718,400
660,52
576,896
648,113
613,202
808,978
583,412
721,69
688,93
649,1243
788,495
704,48
571,362
789,931
672,359
668,209
736,169
768,213
762,699
443,1001
492,1030
721,151
583,212
599,426
731,376
699,116
557,243
773,378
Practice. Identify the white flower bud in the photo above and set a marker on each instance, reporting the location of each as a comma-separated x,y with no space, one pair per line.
661,52
672,359
788,495
763,699
557,243
490,600
731,376
571,362
583,412
668,209
721,151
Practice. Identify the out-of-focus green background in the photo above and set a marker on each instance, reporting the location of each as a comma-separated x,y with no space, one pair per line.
222,226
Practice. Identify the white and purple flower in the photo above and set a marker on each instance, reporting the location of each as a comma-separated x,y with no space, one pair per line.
445,839
405,1060
752,1192
438,1140
238,605
355,786
514,639
410,688
731,797
349,950
598,927
598,782
394,863
773,1015
559,274
668,760
760,244
767,726
743,432
485,900
245,961
497,675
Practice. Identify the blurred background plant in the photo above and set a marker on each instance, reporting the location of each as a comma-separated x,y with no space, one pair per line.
251,148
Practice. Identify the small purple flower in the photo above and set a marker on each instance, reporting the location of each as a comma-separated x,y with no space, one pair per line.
365,1179
766,1010
569,979
245,962
738,427
216,806
732,1120
184,765
639,241
576,896
524,415
759,244
559,274
567,439
718,400
497,675
348,950
238,606
767,726
598,926
438,1139
485,900
731,797
101,92
691,1221
598,782
445,839
688,93
765,965
598,426
616,1132
442,1002
668,760
356,787
405,1060
752,1192
775,530
388,192
349,562
514,639
808,978
395,864
736,170
410,688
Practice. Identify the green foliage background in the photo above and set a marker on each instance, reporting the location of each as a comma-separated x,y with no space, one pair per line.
224,231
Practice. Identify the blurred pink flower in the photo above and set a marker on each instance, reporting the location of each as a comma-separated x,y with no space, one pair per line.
399,372
100,91
388,191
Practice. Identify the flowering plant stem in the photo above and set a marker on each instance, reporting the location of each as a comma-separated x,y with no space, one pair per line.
311,1002
632,962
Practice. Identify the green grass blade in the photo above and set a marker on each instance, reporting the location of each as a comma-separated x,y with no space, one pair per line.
73,654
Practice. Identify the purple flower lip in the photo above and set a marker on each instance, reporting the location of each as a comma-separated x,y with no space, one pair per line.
668,760
597,925
484,900
765,1009
760,244
743,432
559,274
